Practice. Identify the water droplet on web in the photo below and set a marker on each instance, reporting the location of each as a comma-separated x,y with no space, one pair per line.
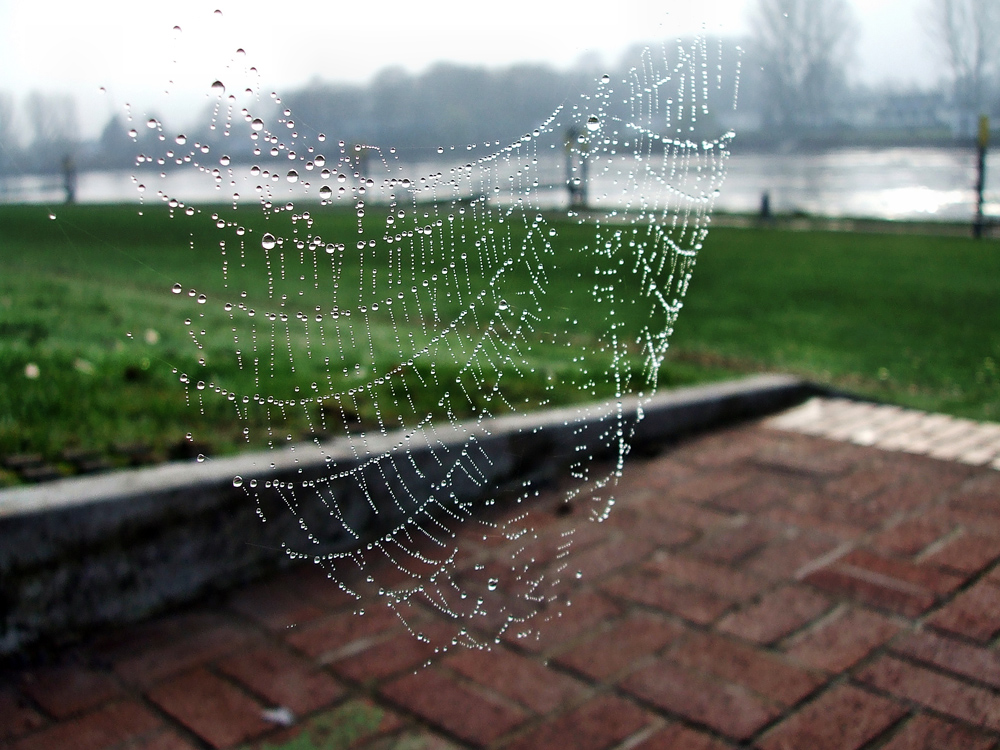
177,289
268,241
152,123
237,481
492,584
502,305
180,140
257,124
326,192
201,385
605,78
292,176
218,88
201,458
52,216
593,123
202,299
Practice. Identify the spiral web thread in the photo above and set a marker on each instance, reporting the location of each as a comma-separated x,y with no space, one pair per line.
454,285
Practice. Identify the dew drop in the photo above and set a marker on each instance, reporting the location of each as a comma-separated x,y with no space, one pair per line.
292,176
177,289
218,88
593,123
503,305
267,241
326,192
257,124
237,481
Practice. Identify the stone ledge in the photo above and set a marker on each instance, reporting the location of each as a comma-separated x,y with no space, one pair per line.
84,552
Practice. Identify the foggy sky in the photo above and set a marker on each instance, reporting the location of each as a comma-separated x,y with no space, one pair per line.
132,50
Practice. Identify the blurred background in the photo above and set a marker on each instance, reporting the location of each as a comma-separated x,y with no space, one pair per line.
860,116
845,108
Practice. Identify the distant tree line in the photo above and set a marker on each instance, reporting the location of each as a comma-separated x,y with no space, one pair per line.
794,90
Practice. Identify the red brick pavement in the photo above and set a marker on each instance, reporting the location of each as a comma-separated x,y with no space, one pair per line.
751,588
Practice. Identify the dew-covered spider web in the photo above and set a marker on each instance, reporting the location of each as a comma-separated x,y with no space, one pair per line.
401,307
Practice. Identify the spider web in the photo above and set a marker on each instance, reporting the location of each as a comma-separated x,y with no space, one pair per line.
441,306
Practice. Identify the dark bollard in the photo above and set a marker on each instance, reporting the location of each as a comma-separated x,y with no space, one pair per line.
983,142
69,178
765,207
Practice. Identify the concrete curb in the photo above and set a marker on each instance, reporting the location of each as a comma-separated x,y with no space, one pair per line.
84,552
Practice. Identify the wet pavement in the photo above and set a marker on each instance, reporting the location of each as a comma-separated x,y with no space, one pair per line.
753,587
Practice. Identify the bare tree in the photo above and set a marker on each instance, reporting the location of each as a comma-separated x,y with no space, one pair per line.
804,47
53,118
967,33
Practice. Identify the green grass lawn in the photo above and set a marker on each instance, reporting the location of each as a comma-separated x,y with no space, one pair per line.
86,300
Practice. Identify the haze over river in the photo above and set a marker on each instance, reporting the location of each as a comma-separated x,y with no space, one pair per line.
888,183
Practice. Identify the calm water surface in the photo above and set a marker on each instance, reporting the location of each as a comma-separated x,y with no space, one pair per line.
892,183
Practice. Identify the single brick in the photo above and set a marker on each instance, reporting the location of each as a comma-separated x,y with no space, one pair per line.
967,554
937,582
861,483
210,707
729,709
877,591
655,589
884,582
842,718
730,545
676,513
282,679
575,616
911,536
777,614
599,724
638,524
516,677
809,457
974,705
469,715
759,495
707,486
68,689
614,650
176,653
755,669
718,580
16,716
975,613
403,651
110,725
678,737
954,656
843,641
341,632
599,560
783,558
930,733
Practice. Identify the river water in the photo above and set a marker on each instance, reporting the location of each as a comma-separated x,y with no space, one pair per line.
889,183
